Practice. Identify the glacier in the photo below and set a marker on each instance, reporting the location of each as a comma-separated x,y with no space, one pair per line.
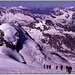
28,41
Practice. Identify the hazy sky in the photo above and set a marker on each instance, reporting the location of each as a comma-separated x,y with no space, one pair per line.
35,3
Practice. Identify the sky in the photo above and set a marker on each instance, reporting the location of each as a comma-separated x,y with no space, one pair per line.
35,3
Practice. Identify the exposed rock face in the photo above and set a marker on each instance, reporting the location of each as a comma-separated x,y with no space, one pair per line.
57,42
1,38
73,16
49,22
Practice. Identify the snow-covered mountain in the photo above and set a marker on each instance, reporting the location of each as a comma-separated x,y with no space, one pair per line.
32,38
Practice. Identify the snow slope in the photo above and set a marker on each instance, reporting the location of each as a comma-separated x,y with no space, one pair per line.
31,52
30,41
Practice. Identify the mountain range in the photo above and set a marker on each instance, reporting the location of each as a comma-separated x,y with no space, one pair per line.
33,37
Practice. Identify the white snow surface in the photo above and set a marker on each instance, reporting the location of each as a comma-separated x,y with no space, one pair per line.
34,57
11,61
8,17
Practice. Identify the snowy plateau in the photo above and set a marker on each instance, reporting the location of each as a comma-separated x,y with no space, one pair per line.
31,39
